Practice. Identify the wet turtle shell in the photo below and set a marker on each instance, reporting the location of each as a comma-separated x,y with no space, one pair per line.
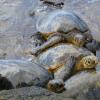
65,60
19,73
56,59
60,20
60,53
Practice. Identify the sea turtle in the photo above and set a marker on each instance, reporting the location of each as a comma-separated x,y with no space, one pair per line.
74,37
64,60
51,24
60,21
19,73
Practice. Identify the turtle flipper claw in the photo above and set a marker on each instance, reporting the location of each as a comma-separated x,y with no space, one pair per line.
56,85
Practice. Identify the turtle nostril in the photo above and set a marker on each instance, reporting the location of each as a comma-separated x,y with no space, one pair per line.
57,84
61,85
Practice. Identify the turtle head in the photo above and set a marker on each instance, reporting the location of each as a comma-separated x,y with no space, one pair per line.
56,85
89,62
79,40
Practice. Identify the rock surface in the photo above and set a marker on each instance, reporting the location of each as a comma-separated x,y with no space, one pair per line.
20,72
30,93
16,24
16,28
89,11
36,93
82,82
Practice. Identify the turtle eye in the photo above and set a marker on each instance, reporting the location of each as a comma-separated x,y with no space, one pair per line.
89,62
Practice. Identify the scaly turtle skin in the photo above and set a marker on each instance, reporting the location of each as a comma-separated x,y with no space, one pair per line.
65,60
19,73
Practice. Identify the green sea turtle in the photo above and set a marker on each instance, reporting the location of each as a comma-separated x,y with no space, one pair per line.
74,37
60,21
64,60
57,24
19,73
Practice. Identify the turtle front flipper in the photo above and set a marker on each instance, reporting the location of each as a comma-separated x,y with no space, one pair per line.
51,42
65,71
56,85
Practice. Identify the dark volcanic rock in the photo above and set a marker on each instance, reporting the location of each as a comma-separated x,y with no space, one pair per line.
30,93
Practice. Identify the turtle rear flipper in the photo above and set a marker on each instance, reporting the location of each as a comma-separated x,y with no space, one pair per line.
51,42
56,85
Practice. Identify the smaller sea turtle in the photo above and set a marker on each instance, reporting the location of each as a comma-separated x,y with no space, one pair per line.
74,37
62,21
19,73
50,23
58,20
65,60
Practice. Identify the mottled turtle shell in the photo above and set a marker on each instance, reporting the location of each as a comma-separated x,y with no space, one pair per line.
60,54
60,20
19,72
